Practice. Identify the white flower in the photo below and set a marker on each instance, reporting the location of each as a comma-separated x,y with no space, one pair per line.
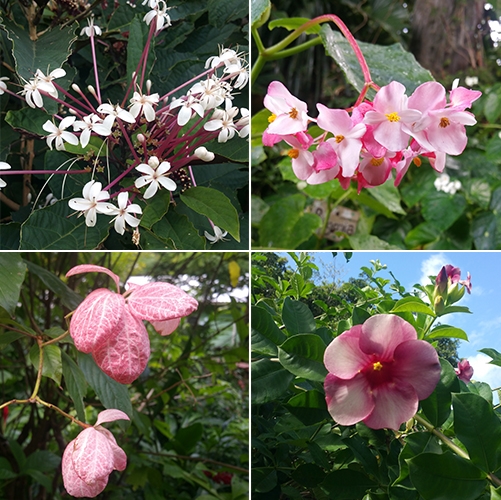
113,112
59,133
123,213
88,124
32,94
223,120
152,4
243,123
218,235
211,93
444,183
471,80
92,202
3,166
45,82
159,14
144,103
188,105
227,56
242,78
203,154
155,176
3,85
92,29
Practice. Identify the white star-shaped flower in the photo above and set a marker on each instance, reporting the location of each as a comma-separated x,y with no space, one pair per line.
88,124
92,29
113,113
123,213
60,134
3,85
188,105
92,203
223,120
155,176
159,15
3,166
218,235
144,104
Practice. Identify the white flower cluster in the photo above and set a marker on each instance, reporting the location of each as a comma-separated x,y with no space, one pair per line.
41,82
443,183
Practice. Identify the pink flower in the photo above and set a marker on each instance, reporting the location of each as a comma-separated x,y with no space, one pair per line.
92,456
452,274
378,371
466,283
302,159
374,171
347,140
289,114
110,325
391,117
464,371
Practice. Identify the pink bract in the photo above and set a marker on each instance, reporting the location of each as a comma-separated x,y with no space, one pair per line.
91,268
464,371
378,372
96,319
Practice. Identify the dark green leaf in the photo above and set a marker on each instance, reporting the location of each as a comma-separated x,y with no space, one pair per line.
260,12
264,479
442,209
69,297
156,208
368,241
309,407
359,315
347,484
492,105
43,461
484,231
235,150
28,119
495,355
12,272
41,478
266,335
308,475
389,196
214,205
292,23
138,34
446,331
438,477
187,438
111,393
75,384
479,429
421,234
303,356
297,317
413,305
52,365
437,407
269,381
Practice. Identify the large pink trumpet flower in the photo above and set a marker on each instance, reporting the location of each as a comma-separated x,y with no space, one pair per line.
378,372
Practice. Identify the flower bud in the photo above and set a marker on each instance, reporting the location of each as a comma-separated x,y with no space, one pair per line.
439,305
203,154
455,293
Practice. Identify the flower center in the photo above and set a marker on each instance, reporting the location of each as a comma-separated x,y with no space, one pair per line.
293,153
272,118
293,113
339,138
444,122
393,117
417,161
377,366
375,162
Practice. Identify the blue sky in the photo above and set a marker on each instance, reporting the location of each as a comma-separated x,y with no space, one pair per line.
483,326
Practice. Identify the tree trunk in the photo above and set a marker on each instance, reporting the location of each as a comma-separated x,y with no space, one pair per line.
445,35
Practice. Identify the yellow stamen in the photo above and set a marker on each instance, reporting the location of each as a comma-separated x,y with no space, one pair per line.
393,117
339,138
272,118
293,153
293,113
417,161
444,122
377,366
375,162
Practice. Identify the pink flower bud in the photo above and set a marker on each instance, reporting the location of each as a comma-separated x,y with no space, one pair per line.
464,371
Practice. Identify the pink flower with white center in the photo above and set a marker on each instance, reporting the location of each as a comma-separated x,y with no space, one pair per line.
92,203
60,134
347,140
3,166
289,114
391,117
92,456
110,327
223,119
123,213
158,15
155,175
88,124
464,371
143,104
3,85
378,372
187,104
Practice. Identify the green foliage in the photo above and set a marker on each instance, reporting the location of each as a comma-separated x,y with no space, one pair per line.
189,409
449,450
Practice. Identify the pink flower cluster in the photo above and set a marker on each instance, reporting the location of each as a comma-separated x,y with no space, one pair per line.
92,456
110,325
378,372
464,371
449,276
376,138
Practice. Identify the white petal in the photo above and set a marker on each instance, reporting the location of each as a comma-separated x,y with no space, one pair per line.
149,112
122,200
120,225
79,204
167,183
151,191
91,217
142,181
84,137
131,220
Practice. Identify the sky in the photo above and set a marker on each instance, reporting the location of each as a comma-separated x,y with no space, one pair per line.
483,327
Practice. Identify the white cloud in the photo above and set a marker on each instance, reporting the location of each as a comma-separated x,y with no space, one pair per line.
431,267
484,372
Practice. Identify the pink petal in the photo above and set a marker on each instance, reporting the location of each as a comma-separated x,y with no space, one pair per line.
166,327
119,456
125,355
91,268
429,95
390,98
96,319
349,155
382,333
302,165
73,484
416,363
348,401
160,301
324,176
337,121
325,156
343,356
394,405
110,416
92,456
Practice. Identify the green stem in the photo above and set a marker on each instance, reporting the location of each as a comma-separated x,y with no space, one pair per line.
57,339
295,50
39,374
